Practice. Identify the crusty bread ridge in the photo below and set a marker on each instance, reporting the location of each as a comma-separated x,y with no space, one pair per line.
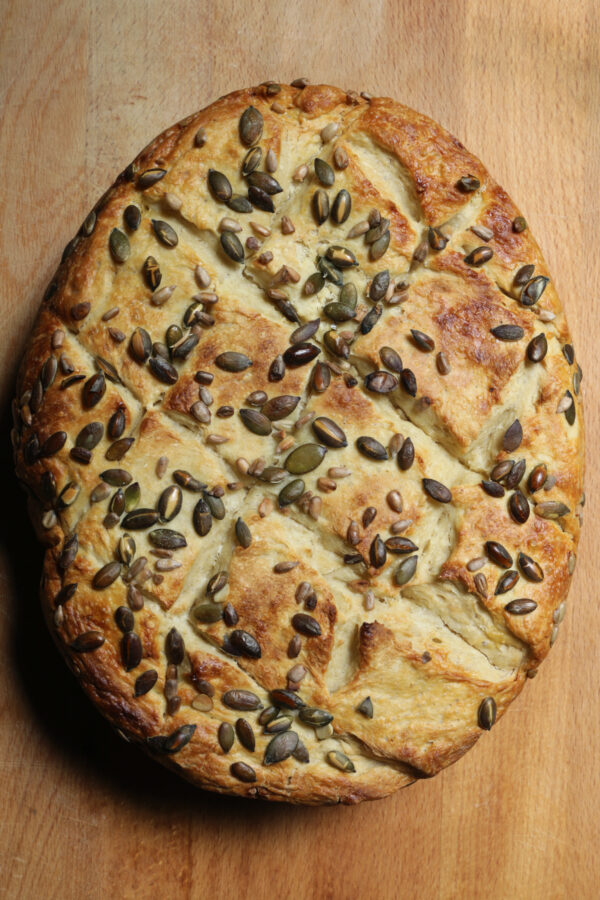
374,563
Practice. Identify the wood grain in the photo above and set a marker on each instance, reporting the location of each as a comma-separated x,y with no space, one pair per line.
84,86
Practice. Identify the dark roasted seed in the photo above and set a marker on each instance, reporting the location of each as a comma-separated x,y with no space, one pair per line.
468,183
306,625
436,490
437,239
241,700
406,570
506,582
119,245
533,290
328,432
537,348
321,377
515,475
282,697
520,607
243,772
530,569
377,552
87,642
145,682
537,478
245,734
371,319
131,650
140,519
486,714
493,488
479,256
498,554
519,507
232,246
409,382
264,182
324,172
251,126
371,448
551,509
513,437
245,644
320,206
291,492
231,361
399,544
342,206
423,341
391,359
381,382
105,576
255,421
280,748
508,332
93,390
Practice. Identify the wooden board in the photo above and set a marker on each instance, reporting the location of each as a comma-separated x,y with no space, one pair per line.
84,86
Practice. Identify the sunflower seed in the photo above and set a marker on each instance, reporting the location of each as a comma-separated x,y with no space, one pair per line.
329,132
226,737
481,585
551,509
486,234
251,126
475,564
371,448
533,290
105,576
486,714
508,332
340,761
506,582
406,570
342,206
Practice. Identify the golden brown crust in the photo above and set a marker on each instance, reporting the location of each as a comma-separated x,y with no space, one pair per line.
408,652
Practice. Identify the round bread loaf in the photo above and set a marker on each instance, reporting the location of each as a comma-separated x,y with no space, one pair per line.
300,427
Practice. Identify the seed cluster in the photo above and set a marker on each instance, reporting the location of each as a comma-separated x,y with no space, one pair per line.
308,459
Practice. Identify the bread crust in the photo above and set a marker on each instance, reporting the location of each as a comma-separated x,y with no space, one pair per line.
427,652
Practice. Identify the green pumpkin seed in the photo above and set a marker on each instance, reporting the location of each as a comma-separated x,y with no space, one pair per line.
324,172
313,284
380,246
314,716
337,312
118,243
406,570
340,761
207,613
330,272
291,492
305,458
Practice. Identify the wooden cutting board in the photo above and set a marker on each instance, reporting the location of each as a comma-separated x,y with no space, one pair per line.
84,86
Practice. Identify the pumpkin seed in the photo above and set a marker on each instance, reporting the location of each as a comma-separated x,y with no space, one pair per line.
140,519
371,319
207,613
306,625
406,455
230,361
232,246
324,172
506,582
313,284
498,554
286,698
251,160
328,432
140,345
105,576
513,437
423,341
520,607
537,348
330,272
508,332
243,533
255,421
145,682
391,359
436,490
468,183
342,207
371,448
304,332
87,642
493,488
381,382
437,239
264,182
314,716
245,734
551,509
379,285
225,736
280,748
341,257
261,200
244,644
380,246
486,714
165,233
131,651
537,478
305,458
291,492
533,290
300,354
251,126
479,256
163,370
93,390
169,503
406,570
151,273
409,382
338,312
118,243
243,772
167,539
399,544
320,206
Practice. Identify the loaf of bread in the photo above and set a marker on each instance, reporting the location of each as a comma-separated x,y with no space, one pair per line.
300,427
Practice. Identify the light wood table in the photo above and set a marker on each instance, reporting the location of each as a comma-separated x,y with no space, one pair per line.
84,86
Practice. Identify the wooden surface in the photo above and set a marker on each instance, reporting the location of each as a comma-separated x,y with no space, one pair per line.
84,86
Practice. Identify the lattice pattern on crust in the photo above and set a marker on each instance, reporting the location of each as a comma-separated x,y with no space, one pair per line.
427,651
